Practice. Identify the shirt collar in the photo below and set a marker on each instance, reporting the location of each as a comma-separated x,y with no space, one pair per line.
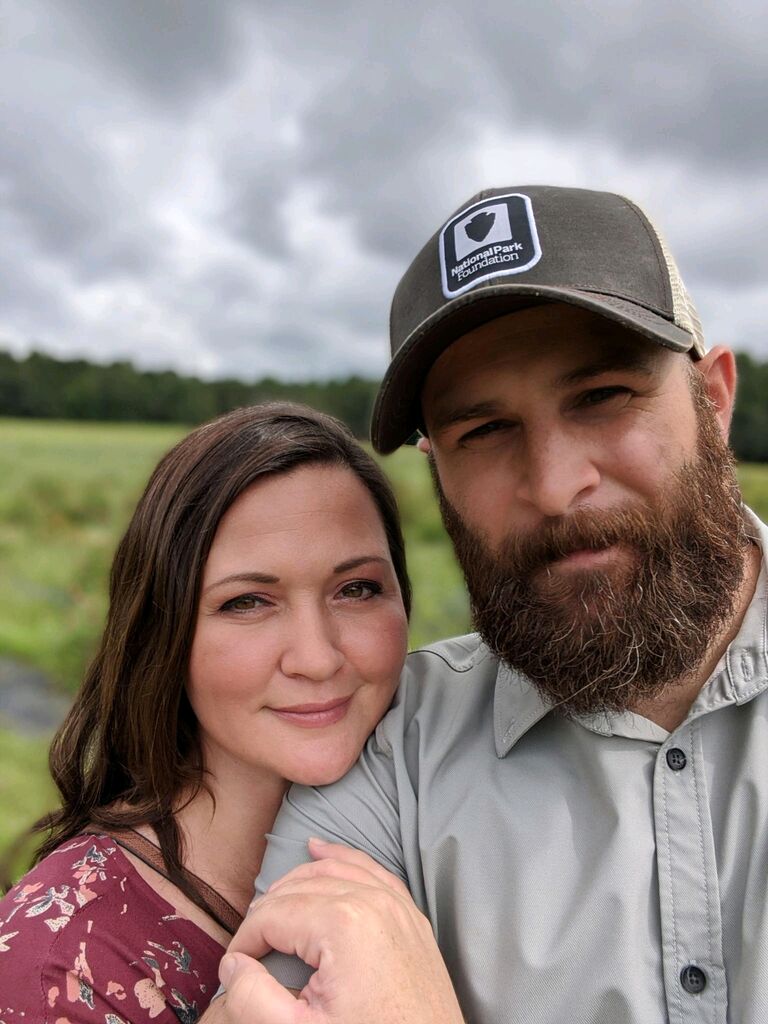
517,705
741,674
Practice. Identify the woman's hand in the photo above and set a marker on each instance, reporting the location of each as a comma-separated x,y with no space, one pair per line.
373,951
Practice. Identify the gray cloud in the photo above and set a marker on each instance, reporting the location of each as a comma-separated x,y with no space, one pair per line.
235,188
172,52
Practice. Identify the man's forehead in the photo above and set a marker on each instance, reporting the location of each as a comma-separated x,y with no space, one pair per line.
572,344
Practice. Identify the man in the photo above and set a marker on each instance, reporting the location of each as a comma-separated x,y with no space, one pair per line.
578,803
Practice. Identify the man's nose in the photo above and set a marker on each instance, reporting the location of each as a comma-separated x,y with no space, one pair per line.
558,473
312,649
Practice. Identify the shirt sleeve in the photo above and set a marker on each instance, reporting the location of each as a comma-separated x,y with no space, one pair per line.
361,810
375,807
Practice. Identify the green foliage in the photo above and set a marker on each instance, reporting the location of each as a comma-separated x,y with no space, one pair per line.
754,487
26,793
47,388
749,431
68,491
439,597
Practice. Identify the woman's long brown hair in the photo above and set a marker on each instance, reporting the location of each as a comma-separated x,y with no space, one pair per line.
128,750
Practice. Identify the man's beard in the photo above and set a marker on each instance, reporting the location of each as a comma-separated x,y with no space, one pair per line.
602,640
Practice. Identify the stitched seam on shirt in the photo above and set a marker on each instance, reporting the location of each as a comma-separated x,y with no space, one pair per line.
705,706
450,664
755,689
671,893
728,669
763,655
696,744
520,724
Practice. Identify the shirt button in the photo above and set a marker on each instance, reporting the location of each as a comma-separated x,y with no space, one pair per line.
693,979
676,759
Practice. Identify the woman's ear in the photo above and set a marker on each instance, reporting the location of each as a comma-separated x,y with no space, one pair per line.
718,367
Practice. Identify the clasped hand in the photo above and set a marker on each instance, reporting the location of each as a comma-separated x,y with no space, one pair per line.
373,951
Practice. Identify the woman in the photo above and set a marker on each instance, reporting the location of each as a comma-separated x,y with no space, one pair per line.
255,634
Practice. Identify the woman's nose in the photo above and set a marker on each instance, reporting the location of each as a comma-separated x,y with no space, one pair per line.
312,649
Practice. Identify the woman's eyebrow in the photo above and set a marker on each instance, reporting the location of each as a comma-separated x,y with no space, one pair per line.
243,577
263,577
354,563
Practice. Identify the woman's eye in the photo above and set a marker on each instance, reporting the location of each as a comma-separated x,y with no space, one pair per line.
243,603
360,590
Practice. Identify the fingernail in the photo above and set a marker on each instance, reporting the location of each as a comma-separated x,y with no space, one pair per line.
226,969
317,841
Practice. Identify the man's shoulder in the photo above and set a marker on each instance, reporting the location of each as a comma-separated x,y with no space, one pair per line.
448,669
457,656
441,684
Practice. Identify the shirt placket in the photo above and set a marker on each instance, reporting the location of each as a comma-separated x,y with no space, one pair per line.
689,896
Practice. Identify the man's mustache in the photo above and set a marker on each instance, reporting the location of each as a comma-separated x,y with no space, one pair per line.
585,529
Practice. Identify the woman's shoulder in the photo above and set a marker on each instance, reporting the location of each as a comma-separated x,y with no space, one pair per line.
72,876
84,937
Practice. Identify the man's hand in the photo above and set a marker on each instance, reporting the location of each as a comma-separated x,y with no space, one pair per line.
373,951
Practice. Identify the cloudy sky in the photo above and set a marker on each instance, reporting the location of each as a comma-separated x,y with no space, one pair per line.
233,187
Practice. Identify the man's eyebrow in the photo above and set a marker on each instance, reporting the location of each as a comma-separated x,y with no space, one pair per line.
454,412
633,362
451,414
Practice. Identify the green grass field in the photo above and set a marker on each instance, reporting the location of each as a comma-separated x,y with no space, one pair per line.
67,493
26,792
68,490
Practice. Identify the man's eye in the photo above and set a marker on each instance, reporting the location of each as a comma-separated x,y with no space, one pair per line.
360,590
484,430
600,396
243,603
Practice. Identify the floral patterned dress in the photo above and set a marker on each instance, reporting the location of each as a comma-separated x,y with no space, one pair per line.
85,940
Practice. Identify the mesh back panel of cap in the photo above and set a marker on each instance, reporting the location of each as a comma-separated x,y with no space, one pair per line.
683,309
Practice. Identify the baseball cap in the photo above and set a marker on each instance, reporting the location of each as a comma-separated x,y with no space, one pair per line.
510,248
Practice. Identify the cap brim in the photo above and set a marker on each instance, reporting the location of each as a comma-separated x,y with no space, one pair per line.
396,412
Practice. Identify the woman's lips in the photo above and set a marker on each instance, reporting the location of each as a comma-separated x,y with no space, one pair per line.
314,716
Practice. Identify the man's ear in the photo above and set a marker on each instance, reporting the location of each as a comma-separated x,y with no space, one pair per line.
424,445
718,367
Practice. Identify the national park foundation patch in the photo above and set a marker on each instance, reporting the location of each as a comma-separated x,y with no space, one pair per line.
492,238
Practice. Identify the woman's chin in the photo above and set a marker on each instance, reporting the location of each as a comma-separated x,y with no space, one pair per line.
324,772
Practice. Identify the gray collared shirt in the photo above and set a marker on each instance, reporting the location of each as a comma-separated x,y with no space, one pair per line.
591,871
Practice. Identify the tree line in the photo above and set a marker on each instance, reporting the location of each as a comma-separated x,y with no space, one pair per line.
43,387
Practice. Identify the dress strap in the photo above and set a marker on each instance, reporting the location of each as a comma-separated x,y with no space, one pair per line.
212,902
